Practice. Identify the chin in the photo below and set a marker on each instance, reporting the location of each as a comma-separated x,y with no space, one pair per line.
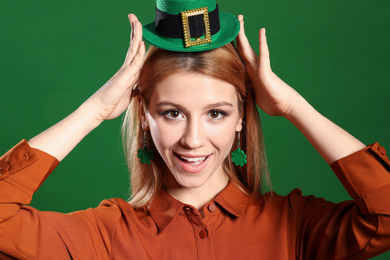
207,174
196,180
191,182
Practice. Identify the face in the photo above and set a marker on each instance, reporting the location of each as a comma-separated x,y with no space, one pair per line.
193,120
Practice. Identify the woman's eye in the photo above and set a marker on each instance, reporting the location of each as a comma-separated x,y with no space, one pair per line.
216,114
173,114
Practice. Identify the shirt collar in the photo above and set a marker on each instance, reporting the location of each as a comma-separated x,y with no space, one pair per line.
233,200
165,208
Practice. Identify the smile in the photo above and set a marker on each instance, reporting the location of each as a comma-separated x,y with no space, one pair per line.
192,164
194,160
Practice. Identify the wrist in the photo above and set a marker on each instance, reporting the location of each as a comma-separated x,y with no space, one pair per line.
300,110
89,115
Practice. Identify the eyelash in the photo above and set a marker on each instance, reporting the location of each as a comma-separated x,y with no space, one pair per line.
221,114
166,114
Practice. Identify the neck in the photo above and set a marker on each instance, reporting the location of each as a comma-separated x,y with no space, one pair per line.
196,196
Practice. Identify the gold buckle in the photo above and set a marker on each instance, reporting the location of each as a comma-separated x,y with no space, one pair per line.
186,29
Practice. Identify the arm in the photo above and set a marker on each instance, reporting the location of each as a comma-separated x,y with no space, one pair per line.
276,98
331,141
349,230
107,103
357,229
26,233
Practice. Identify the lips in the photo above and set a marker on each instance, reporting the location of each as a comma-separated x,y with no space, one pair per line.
193,160
193,163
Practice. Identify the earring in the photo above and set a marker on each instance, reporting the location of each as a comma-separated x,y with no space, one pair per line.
238,156
144,154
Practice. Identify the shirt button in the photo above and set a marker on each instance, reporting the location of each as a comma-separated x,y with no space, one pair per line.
25,155
212,207
382,150
202,234
188,208
4,167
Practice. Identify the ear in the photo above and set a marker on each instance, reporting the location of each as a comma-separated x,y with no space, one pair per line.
241,112
143,110
239,123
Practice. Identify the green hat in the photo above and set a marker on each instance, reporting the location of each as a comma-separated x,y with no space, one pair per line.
190,26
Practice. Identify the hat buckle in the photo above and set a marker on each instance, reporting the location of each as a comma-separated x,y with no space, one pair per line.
188,42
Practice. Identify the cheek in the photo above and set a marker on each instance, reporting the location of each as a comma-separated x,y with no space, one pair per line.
164,135
222,137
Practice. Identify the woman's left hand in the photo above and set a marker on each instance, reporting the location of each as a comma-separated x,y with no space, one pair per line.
273,95
276,98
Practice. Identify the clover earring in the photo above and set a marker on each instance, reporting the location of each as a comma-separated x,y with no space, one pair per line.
144,154
239,156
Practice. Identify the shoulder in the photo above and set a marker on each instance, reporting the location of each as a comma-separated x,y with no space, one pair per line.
108,213
272,198
112,209
117,212
297,205
291,204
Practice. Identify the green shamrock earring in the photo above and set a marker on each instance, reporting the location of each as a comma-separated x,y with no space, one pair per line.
144,154
238,156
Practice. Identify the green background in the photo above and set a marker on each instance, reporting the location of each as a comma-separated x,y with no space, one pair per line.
54,55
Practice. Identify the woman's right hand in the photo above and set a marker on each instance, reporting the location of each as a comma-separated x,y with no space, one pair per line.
114,97
107,103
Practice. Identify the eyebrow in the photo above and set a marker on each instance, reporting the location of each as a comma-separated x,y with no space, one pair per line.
218,104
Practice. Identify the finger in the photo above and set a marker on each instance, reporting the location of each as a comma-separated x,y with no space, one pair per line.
132,20
136,32
135,38
263,50
132,72
134,67
117,87
243,46
139,57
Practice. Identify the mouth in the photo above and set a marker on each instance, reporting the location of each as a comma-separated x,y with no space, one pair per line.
193,160
191,163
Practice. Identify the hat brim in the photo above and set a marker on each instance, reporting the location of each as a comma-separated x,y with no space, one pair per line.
229,29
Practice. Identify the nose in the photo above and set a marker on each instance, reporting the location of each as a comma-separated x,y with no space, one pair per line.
194,135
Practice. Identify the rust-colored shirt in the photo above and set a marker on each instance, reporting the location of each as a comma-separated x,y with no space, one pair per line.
234,226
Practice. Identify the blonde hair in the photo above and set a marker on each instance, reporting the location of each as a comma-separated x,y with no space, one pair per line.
222,63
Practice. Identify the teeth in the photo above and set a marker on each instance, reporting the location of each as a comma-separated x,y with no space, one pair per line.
197,159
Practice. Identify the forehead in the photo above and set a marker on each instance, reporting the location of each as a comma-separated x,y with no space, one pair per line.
193,88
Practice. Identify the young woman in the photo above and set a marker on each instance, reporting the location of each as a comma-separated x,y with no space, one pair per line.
187,112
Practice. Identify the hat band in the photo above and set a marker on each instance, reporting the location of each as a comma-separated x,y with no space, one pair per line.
170,25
